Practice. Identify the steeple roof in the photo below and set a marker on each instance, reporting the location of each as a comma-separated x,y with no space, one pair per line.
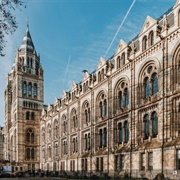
27,43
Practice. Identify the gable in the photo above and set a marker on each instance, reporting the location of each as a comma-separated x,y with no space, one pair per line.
121,46
101,62
86,75
148,23
74,85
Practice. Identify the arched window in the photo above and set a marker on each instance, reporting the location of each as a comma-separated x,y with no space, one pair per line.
24,88
151,38
27,115
87,112
154,124
120,133
28,153
30,136
35,90
123,59
120,100
126,97
146,126
29,89
154,83
126,132
146,87
144,43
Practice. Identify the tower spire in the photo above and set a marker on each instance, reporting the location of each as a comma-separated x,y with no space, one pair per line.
27,23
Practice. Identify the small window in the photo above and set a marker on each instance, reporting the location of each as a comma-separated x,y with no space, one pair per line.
143,161
150,161
178,159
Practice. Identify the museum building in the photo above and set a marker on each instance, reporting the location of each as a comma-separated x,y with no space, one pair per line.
122,119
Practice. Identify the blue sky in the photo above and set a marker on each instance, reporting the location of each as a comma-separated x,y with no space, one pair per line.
78,31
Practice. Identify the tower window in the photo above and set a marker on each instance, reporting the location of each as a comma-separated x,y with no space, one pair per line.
35,90
24,88
29,89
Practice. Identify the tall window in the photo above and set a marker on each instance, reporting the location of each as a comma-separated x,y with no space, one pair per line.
100,138
126,97
178,159
99,76
179,18
86,142
105,137
120,133
144,43
56,149
32,116
30,136
24,88
122,162
102,103
87,112
120,99
146,87
32,153
28,153
154,124
49,151
27,115
126,132
29,89
101,109
118,61
35,90
151,38
154,83
123,58
104,107
146,126
89,141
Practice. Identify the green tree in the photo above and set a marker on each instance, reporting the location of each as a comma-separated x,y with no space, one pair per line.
8,23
